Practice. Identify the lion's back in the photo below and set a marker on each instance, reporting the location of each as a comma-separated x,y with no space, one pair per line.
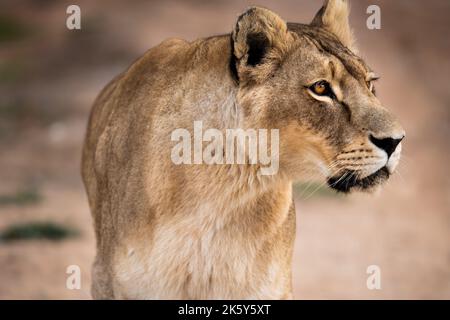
121,115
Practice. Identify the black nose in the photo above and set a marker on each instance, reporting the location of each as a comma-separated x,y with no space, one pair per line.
387,144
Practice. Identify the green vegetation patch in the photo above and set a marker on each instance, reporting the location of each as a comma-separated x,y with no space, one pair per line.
11,71
37,231
21,198
11,29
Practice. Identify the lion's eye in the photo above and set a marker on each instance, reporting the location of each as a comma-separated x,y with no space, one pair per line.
322,88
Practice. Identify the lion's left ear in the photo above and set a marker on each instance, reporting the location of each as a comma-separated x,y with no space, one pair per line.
334,17
260,40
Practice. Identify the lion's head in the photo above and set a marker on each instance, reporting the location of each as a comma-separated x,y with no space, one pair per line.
308,81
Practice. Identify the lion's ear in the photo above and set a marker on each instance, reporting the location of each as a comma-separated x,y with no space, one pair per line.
334,17
260,40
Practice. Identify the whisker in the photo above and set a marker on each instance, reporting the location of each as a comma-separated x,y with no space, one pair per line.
306,190
338,180
315,190
331,167
398,173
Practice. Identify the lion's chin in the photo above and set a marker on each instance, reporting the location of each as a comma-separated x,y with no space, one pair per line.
348,181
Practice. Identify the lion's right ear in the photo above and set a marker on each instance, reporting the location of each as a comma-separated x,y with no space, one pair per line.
260,40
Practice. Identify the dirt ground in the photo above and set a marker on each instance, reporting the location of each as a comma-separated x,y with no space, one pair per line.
49,77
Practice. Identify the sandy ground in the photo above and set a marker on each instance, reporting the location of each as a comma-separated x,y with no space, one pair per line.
405,229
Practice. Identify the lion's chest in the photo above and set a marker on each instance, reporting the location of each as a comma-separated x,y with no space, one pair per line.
207,262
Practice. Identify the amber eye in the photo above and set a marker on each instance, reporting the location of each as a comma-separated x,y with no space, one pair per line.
322,88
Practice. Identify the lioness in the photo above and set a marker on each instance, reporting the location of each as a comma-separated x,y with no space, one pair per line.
225,231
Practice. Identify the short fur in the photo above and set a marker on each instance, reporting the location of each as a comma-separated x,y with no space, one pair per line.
223,231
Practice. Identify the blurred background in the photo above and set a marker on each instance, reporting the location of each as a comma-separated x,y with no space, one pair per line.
49,77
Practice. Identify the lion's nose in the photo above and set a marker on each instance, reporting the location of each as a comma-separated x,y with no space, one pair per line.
387,144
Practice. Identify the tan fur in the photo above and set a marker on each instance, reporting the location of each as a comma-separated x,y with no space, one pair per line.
334,18
169,231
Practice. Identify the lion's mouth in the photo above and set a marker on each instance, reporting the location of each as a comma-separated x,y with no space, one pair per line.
349,180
